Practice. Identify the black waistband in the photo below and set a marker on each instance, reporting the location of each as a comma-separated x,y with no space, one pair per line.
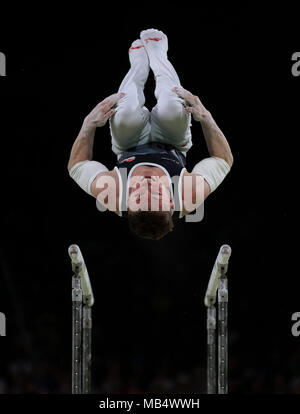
153,148
154,145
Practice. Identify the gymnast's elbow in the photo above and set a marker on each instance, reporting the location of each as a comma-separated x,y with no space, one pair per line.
228,157
69,166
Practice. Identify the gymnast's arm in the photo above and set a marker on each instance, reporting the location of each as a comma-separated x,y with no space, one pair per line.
214,169
82,149
81,168
216,142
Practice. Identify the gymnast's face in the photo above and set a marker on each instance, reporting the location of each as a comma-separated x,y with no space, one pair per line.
149,193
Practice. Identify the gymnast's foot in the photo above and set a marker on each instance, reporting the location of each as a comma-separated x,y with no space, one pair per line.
139,59
155,42
156,46
138,55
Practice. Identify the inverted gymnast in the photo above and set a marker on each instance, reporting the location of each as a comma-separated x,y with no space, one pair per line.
151,147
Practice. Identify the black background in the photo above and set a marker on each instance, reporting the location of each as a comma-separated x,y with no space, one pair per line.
149,320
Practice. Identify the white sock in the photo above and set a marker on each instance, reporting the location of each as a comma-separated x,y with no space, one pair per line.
139,70
156,45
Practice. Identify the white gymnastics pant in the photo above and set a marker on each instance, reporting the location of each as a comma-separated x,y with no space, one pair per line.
133,124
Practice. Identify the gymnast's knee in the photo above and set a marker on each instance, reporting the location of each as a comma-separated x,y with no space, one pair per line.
171,113
127,119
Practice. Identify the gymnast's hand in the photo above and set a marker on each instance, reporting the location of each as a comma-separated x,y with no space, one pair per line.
104,110
195,107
